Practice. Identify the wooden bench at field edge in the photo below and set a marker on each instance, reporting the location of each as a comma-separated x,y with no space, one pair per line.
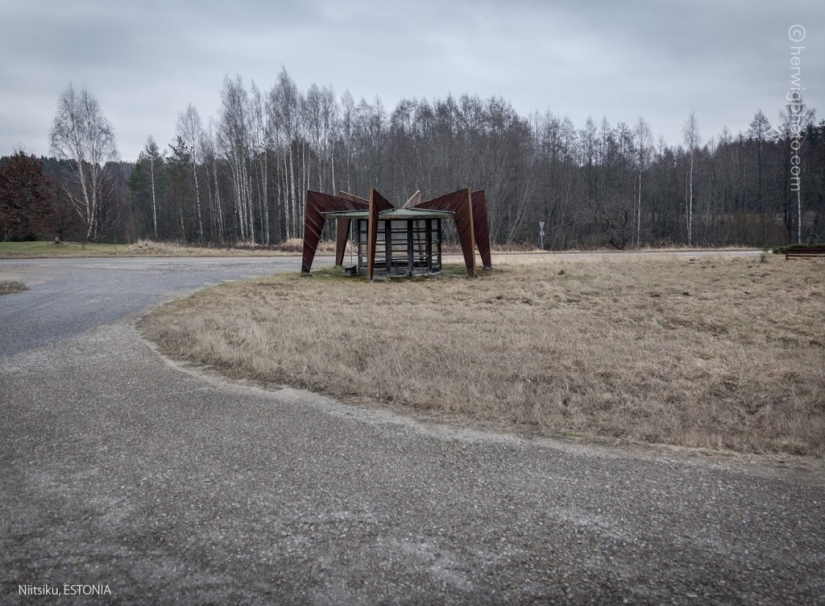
817,251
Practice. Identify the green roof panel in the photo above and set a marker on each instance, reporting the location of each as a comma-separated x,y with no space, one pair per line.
395,214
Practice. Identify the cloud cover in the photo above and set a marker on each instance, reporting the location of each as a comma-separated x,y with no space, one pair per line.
145,62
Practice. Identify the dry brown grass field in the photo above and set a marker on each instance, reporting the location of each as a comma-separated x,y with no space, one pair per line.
719,353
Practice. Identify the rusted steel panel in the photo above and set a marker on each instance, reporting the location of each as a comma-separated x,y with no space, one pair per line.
481,228
459,202
413,200
353,198
341,237
317,203
377,203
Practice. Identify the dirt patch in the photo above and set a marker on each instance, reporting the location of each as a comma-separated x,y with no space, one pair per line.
10,287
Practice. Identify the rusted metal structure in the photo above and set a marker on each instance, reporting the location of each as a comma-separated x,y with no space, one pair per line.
398,241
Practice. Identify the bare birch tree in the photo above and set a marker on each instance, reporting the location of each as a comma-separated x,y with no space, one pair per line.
311,118
760,132
210,161
260,139
191,132
152,157
691,134
329,128
285,109
82,135
644,142
233,135
347,129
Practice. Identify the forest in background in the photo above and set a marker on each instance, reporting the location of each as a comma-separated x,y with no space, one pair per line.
241,176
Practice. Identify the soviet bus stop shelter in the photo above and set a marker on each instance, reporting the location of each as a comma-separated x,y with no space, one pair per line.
401,241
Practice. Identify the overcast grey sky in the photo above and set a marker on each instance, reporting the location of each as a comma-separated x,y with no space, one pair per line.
145,61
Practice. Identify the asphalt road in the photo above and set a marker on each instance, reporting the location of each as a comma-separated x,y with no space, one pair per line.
69,296
127,473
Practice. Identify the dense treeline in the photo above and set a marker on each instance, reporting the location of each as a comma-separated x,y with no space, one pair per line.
242,175
35,202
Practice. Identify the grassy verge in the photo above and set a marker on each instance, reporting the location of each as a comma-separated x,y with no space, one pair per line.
10,287
36,250
148,248
714,353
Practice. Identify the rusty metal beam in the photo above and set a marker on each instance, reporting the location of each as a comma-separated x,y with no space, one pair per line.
459,202
353,198
317,203
341,237
413,200
343,233
377,203
481,227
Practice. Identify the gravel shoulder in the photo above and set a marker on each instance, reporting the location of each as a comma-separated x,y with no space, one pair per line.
122,469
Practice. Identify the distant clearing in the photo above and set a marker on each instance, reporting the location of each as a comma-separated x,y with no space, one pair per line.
714,352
